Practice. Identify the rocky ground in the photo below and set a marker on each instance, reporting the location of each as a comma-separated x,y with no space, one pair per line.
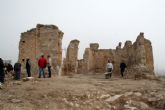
83,92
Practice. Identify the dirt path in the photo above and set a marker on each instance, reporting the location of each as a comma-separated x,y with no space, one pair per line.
83,92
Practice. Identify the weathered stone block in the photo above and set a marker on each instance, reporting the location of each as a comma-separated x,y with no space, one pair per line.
44,39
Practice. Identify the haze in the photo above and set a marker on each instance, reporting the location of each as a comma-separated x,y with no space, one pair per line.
106,22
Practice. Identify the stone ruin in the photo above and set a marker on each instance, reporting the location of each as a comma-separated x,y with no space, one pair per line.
42,40
138,56
47,40
70,62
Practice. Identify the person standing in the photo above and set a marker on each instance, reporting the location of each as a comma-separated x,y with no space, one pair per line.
28,67
17,69
109,68
122,68
2,73
42,62
49,64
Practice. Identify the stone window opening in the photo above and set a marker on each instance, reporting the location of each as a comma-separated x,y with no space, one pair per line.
23,41
23,60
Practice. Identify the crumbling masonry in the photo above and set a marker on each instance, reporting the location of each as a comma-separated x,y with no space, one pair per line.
47,40
138,57
70,63
42,40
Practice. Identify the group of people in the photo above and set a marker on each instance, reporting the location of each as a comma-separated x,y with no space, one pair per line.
42,64
109,68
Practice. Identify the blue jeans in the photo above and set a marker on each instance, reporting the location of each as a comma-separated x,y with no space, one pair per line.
41,72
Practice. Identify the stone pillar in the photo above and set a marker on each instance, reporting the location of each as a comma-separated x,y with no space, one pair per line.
89,58
71,61
149,55
140,50
141,59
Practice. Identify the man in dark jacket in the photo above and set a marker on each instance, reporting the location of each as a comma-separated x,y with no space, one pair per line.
2,73
122,68
17,69
28,67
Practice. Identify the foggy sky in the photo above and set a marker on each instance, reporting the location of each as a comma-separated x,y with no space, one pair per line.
106,22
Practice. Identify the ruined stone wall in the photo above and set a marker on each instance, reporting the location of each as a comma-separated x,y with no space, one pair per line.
138,57
44,39
141,60
26,45
101,58
82,67
49,42
90,56
71,63
27,48
149,55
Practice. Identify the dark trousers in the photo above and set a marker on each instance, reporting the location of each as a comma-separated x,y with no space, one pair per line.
49,71
109,71
122,71
28,72
2,76
17,75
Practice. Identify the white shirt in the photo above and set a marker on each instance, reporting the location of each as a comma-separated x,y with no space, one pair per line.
50,61
110,65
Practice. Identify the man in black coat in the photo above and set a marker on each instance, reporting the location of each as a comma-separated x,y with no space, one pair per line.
28,67
122,68
2,73
17,69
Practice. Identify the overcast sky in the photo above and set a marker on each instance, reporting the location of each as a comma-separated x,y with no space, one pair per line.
106,22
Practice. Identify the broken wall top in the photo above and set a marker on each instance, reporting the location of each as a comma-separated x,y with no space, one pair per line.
39,27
